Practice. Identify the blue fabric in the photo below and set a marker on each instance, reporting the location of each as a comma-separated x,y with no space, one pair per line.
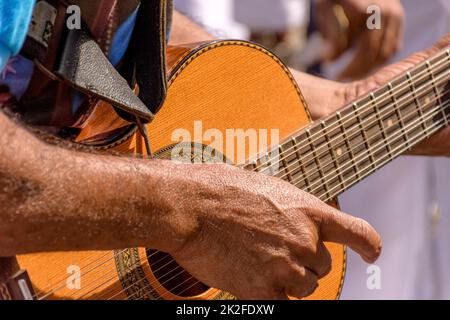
16,71
15,17
122,39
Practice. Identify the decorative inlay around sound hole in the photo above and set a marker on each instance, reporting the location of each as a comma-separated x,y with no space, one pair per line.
169,278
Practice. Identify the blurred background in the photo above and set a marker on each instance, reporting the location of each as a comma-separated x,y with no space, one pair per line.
408,202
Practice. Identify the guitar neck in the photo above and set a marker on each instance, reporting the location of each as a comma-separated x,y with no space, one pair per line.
332,155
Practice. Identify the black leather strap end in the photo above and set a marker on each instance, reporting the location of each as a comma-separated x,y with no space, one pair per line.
84,66
148,51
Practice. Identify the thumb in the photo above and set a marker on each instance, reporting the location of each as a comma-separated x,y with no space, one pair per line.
358,234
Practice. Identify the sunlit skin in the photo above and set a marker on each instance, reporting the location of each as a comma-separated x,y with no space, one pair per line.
56,199
373,47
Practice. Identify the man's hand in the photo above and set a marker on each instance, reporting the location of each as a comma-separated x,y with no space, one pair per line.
372,47
255,236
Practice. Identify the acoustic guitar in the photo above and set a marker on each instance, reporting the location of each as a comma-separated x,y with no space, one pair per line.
236,84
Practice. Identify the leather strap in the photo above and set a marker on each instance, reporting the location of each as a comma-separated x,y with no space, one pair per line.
76,59
85,68
145,61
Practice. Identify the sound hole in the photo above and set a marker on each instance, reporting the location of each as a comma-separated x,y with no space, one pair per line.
173,277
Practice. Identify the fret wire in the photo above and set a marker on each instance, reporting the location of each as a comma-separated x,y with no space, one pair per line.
433,83
363,133
285,164
365,158
404,82
398,112
415,139
393,98
347,144
332,155
412,113
299,171
300,161
398,136
416,99
380,123
447,53
316,160
359,144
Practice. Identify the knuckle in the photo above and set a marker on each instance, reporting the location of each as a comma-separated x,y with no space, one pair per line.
325,266
302,286
310,289
308,245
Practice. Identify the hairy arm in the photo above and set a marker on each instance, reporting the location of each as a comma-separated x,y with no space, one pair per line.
54,198
57,199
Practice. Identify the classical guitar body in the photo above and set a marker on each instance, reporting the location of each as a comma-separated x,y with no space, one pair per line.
214,87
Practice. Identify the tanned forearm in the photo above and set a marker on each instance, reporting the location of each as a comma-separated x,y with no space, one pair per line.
55,199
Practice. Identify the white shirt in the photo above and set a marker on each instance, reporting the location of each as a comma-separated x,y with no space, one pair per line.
234,18
398,200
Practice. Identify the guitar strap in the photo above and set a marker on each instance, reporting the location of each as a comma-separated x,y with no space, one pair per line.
74,57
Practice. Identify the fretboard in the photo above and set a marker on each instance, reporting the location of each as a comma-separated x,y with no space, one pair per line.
330,156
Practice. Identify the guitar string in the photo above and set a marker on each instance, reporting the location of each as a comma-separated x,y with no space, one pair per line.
352,165
175,269
389,95
158,283
50,287
423,72
43,297
297,148
188,280
138,263
339,123
110,258
431,114
326,144
437,127
307,174
414,112
179,267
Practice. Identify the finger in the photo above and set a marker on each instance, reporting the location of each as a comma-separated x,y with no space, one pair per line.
338,227
365,55
302,282
392,39
317,258
321,263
